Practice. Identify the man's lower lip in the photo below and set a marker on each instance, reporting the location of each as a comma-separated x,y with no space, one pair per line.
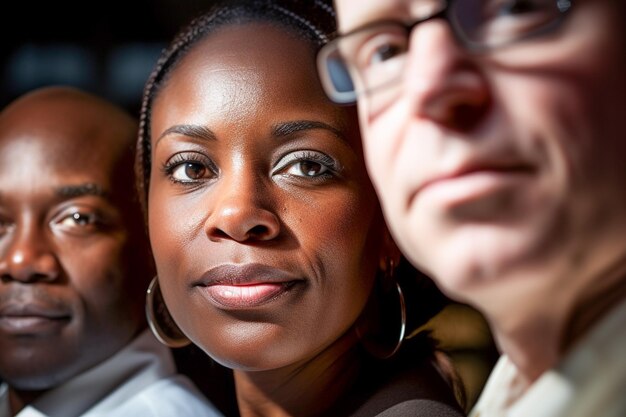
471,187
246,296
31,325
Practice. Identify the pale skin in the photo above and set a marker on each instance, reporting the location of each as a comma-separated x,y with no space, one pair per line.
533,236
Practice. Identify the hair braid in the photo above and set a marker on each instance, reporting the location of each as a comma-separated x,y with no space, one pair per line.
311,20
327,7
323,37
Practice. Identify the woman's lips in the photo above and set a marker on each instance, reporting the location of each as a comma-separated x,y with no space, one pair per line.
246,296
245,286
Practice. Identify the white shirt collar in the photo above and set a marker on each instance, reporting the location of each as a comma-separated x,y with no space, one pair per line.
589,381
138,364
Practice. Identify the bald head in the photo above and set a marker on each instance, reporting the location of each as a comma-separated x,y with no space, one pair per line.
52,112
76,132
72,240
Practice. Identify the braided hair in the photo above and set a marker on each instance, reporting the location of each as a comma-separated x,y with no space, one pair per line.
312,21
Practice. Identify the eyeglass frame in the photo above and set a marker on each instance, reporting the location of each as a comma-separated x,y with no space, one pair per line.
349,98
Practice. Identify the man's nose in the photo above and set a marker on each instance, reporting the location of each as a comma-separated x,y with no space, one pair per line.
442,82
28,257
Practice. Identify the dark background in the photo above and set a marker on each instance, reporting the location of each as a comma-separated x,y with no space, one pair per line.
107,48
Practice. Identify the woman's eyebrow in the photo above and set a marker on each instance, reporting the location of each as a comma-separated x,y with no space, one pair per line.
288,128
80,190
193,131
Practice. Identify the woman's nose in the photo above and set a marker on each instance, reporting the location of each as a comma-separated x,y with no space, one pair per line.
240,212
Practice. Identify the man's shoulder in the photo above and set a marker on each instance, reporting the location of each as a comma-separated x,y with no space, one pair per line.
422,407
172,396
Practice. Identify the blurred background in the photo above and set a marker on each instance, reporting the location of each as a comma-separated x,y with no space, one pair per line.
109,48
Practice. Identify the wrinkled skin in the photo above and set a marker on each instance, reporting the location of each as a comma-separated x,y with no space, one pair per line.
503,174
73,255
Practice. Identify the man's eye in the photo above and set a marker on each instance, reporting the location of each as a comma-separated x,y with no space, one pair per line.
519,7
189,171
510,8
504,20
79,219
380,48
4,227
385,52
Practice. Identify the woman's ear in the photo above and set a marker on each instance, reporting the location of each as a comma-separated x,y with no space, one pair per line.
390,253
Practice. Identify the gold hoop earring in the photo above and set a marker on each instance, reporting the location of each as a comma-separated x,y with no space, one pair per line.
377,337
160,321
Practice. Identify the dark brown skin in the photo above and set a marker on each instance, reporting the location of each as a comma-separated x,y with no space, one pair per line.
73,255
242,197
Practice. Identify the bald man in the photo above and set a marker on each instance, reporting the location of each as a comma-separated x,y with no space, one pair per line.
74,267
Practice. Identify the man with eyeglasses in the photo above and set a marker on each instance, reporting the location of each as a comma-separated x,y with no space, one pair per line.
494,135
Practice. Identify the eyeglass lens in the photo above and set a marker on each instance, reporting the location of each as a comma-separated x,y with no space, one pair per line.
368,59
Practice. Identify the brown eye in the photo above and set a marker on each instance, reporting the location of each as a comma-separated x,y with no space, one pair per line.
310,168
79,221
194,171
4,226
190,167
189,171
307,164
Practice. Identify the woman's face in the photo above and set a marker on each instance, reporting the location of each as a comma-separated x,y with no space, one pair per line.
264,226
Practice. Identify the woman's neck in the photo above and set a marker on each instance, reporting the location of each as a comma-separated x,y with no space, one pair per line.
305,389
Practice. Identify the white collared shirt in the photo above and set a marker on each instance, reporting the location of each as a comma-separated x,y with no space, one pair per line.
138,381
589,382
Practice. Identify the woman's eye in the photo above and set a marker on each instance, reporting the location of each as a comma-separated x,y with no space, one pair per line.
306,164
190,167
189,171
307,169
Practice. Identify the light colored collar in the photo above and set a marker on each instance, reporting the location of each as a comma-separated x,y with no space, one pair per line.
4,400
111,382
589,381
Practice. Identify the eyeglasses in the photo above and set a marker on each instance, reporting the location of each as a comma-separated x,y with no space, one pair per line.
373,56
